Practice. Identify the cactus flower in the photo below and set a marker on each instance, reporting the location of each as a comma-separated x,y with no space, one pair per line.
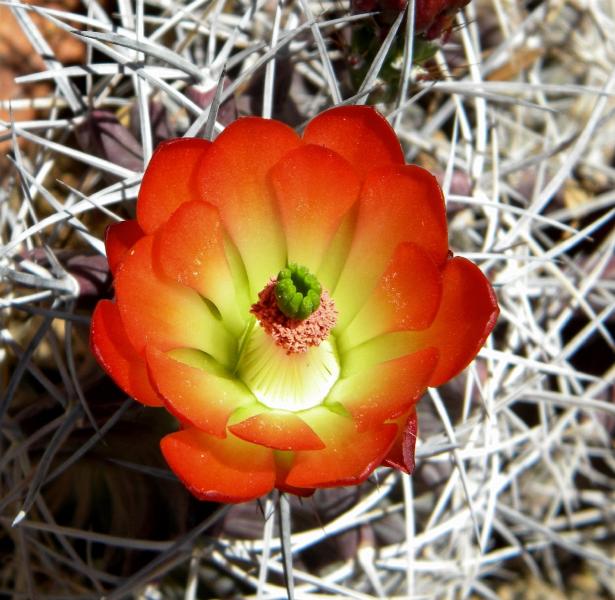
436,17
431,17
288,298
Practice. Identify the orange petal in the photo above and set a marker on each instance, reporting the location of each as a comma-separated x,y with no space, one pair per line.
277,429
201,398
119,239
113,350
228,470
314,188
398,204
189,248
169,180
349,457
468,311
234,177
385,391
283,463
358,133
289,489
406,297
401,455
158,311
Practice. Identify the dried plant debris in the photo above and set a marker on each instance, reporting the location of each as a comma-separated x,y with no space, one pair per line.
514,489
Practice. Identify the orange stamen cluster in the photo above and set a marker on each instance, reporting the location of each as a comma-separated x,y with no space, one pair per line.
294,335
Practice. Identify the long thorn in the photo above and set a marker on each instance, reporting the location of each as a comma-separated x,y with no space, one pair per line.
287,554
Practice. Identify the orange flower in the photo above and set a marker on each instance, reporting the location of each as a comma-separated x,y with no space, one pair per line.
288,299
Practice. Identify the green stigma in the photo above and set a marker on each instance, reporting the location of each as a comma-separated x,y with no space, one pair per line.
297,292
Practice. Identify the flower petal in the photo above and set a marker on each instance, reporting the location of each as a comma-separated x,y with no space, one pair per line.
358,133
113,350
274,429
283,463
119,239
397,204
314,188
233,177
195,395
349,456
189,248
406,297
228,470
169,180
468,311
289,489
401,455
385,391
158,311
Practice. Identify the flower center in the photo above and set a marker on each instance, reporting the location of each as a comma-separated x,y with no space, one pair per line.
297,292
295,311
290,362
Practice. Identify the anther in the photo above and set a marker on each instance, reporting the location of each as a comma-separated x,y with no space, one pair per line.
295,333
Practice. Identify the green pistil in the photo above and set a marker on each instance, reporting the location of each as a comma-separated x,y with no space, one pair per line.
297,292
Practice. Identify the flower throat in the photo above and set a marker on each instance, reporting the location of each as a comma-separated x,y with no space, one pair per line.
290,361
